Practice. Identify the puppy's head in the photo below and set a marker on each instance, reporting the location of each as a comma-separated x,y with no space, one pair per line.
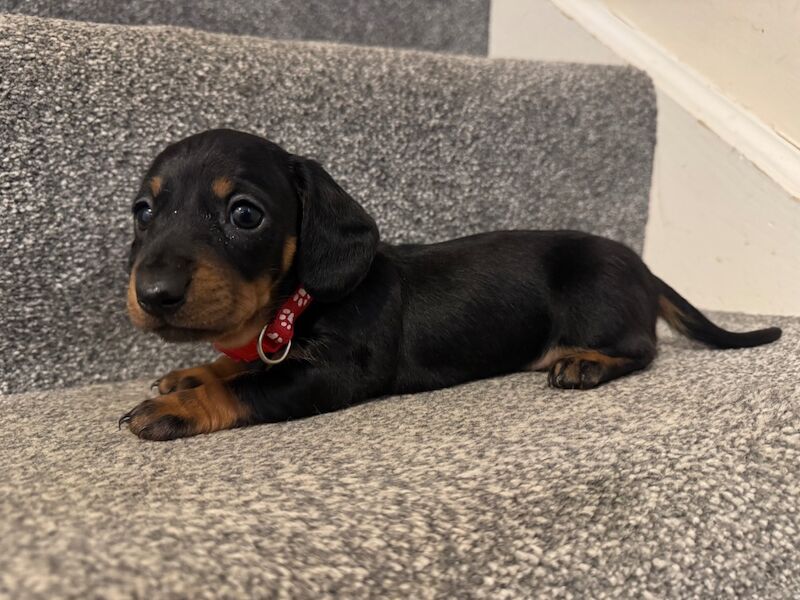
220,219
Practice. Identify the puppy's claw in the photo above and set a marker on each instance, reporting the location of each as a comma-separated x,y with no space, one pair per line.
124,419
154,386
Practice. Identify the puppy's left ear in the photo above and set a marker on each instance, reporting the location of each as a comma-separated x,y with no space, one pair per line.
338,239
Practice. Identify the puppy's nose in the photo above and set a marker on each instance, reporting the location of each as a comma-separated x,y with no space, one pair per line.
161,293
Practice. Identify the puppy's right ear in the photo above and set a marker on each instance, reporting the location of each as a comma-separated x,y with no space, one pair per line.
338,239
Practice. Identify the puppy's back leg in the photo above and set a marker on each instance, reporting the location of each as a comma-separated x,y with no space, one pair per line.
585,368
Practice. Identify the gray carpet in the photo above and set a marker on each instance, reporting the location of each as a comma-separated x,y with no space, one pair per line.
679,482
459,26
434,146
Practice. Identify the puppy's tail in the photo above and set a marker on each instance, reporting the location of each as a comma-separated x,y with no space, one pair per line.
687,320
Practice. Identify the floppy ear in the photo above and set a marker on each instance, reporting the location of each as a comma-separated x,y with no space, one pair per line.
338,239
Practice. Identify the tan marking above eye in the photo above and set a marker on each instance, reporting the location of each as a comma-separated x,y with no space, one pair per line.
222,187
155,185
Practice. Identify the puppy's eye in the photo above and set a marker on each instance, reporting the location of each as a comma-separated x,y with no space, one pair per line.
245,214
142,213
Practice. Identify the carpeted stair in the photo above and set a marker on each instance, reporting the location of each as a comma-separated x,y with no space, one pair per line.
681,481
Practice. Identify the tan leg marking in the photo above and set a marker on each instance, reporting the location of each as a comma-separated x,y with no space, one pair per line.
183,379
209,407
575,368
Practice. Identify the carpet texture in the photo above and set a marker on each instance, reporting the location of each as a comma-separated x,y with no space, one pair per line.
679,482
434,146
458,26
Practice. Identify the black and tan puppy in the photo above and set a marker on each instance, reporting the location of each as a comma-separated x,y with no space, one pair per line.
231,230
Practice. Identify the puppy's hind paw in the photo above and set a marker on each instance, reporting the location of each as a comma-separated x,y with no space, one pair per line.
573,372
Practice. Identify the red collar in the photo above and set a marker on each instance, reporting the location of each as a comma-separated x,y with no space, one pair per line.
275,335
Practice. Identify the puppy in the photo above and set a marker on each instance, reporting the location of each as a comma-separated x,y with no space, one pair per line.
239,243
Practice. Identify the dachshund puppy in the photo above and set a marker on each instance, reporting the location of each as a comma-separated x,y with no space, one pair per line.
239,243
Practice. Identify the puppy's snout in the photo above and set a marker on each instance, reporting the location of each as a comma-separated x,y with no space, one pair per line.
162,290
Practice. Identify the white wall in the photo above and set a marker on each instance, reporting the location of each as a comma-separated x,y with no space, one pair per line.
536,29
723,233
724,225
748,49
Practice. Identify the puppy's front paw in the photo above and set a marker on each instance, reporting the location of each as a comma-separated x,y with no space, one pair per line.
206,408
182,379
186,379
160,419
